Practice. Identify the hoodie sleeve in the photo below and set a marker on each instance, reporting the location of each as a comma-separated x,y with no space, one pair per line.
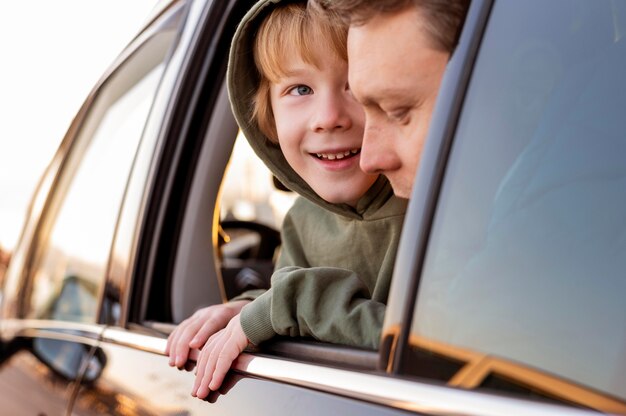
326,303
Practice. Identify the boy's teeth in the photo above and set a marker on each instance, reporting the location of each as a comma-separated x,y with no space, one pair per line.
333,156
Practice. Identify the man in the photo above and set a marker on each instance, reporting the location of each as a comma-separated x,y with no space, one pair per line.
397,50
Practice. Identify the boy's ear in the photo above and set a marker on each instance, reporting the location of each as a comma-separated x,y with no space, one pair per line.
279,185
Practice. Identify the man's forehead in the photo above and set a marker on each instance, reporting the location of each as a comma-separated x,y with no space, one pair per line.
377,73
376,43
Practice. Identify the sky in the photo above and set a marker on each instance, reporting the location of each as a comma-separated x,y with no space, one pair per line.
53,53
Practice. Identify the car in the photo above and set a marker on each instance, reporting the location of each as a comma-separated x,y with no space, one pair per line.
508,290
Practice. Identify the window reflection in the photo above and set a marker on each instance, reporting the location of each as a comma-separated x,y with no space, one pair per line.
524,278
71,268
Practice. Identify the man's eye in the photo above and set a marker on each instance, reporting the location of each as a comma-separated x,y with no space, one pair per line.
399,116
300,90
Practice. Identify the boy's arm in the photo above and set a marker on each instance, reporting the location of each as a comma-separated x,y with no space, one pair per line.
326,303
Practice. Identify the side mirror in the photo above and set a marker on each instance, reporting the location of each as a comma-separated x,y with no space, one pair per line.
67,359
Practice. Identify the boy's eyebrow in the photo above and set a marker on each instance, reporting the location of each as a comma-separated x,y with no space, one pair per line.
288,74
294,72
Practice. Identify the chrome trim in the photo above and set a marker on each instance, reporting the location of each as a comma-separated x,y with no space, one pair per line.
383,390
141,342
159,8
397,393
36,328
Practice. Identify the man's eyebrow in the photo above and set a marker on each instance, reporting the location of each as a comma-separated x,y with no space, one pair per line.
382,95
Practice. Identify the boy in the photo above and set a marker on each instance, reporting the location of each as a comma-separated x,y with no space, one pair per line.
288,87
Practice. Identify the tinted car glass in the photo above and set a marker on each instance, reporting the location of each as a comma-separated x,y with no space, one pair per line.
78,229
523,283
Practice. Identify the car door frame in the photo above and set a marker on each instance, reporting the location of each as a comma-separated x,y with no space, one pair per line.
20,271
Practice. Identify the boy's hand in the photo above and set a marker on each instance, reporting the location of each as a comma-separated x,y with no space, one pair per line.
216,357
194,331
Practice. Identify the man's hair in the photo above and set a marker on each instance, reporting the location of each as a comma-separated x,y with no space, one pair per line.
291,28
443,18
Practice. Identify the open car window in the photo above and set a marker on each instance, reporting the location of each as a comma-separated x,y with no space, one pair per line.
252,209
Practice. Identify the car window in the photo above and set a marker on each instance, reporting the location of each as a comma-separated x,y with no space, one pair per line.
523,283
249,192
252,208
71,261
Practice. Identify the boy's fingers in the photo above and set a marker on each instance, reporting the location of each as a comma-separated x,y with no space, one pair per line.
233,346
199,372
172,345
207,329
173,338
194,354
182,342
224,361
204,390
206,367
201,365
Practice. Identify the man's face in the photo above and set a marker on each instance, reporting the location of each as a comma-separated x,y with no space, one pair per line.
395,72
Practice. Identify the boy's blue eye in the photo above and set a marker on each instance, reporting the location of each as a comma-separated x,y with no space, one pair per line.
301,90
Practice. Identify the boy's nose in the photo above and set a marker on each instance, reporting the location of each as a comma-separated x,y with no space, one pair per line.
331,114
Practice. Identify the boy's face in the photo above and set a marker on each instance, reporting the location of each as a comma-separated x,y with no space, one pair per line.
320,128
395,73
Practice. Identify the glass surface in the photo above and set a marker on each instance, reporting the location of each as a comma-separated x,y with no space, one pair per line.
78,231
524,280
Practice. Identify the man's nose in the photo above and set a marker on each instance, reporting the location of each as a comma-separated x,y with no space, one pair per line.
331,114
377,153
370,150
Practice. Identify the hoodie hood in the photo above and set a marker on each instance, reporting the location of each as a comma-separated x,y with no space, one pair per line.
243,80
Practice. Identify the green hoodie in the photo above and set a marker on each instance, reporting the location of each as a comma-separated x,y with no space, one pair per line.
332,276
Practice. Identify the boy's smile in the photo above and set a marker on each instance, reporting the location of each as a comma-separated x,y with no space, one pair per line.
338,160
320,128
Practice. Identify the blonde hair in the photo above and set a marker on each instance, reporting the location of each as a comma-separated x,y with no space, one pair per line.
291,28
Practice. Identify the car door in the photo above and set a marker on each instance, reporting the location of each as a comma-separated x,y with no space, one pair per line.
54,289
520,274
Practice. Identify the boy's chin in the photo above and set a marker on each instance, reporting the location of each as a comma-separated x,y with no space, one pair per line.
349,199
345,193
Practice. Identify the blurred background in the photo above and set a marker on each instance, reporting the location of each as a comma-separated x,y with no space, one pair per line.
53,53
